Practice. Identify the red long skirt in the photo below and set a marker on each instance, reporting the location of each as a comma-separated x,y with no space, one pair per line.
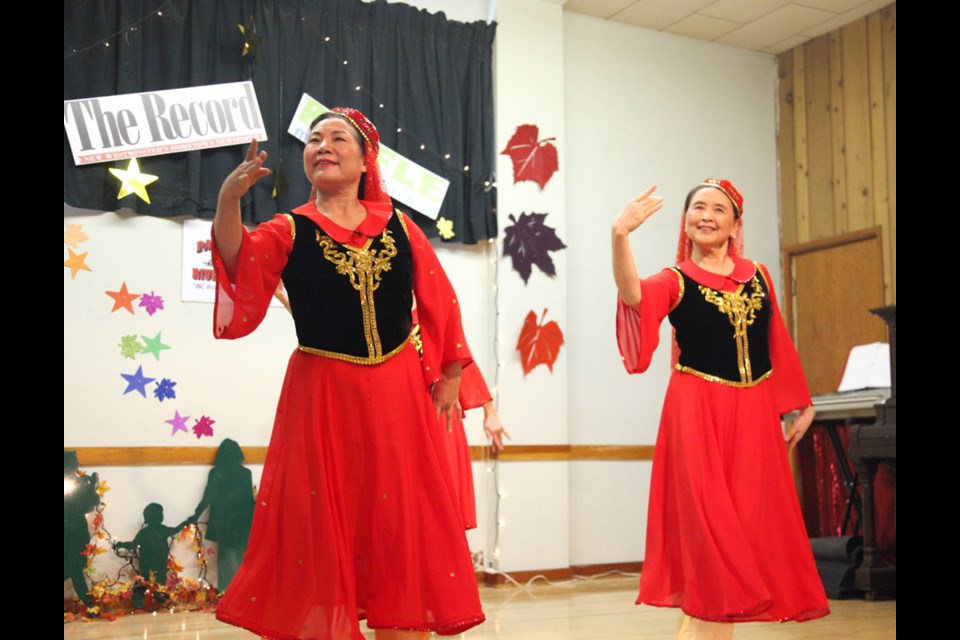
355,516
725,536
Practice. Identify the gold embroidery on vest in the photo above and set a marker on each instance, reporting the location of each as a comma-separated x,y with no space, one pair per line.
365,267
741,309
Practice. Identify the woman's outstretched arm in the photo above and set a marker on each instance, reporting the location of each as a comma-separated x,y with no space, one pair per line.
633,215
227,225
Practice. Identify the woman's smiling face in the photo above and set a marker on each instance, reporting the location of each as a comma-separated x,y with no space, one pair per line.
710,220
333,156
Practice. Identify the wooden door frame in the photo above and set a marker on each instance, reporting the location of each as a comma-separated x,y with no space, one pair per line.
787,254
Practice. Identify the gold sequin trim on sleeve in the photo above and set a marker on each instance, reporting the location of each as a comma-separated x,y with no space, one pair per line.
403,223
293,226
763,274
682,287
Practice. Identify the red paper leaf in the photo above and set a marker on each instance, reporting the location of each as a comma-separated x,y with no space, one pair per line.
532,159
539,343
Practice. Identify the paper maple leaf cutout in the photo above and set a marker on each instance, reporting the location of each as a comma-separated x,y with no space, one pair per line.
203,427
151,302
129,346
165,390
73,235
539,343
445,228
532,159
528,242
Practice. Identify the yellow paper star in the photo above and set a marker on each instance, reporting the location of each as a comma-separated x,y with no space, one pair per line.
73,235
251,41
76,262
445,227
132,181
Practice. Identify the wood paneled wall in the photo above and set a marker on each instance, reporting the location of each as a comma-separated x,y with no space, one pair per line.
837,136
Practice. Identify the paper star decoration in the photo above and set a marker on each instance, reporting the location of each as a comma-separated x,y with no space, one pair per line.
137,382
165,390
132,181
251,41
129,347
76,262
74,235
153,345
123,299
445,227
203,427
178,422
151,303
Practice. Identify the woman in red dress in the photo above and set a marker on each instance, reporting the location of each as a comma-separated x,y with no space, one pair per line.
725,538
354,517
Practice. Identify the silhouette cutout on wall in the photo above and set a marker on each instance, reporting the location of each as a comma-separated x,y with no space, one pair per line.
79,498
152,544
229,494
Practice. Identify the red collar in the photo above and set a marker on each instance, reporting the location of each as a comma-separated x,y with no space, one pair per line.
378,215
743,271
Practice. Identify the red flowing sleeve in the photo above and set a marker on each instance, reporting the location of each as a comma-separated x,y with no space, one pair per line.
473,388
790,385
441,331
242,303
638,330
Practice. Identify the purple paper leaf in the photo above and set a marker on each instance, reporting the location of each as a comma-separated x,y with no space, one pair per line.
528,241
151,302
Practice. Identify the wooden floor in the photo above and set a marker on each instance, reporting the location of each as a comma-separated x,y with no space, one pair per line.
598,608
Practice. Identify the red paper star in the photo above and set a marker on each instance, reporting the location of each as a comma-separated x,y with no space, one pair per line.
123,299
76,262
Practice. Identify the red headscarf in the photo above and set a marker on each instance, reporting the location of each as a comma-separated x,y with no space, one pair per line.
374,188
735,246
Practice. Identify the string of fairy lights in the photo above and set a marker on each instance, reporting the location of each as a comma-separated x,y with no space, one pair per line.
383,113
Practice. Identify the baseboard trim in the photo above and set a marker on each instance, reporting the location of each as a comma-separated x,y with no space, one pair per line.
557,575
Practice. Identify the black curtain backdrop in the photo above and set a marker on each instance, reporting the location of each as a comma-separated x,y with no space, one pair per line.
432,76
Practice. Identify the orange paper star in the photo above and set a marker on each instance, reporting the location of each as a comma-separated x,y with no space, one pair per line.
76,262
123,299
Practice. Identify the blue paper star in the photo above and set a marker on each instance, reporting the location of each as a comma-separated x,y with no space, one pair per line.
137,382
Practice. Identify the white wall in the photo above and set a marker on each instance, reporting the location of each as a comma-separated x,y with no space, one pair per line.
628,107
644,107
529,90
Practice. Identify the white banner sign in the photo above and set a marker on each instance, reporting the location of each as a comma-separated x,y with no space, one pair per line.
159,122
406,181
197,280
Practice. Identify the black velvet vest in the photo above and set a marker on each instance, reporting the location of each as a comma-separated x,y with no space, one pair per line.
350,303
723,336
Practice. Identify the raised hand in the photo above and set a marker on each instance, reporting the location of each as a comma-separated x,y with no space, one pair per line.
246,174
636,212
